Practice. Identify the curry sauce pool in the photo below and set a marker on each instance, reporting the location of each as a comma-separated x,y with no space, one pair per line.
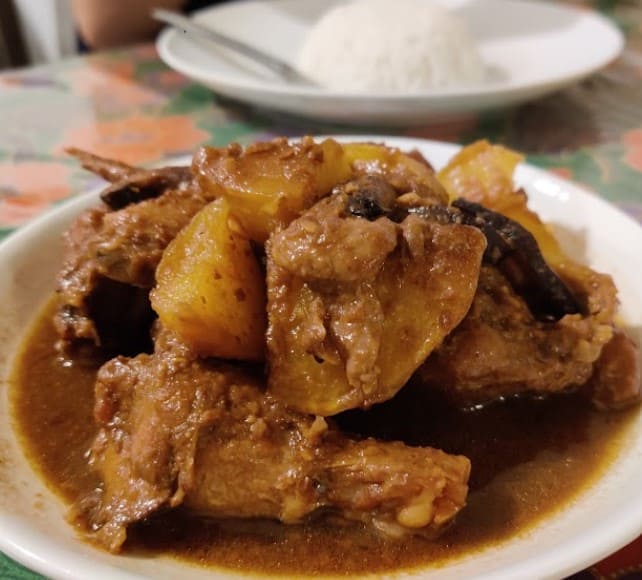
530,458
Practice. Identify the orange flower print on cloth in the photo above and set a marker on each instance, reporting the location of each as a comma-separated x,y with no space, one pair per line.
111,87
137,139
28,188
633,143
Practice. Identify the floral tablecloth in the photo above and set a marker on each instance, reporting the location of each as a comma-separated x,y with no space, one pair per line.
129,106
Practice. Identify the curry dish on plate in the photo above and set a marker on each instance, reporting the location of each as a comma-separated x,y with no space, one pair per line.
315,347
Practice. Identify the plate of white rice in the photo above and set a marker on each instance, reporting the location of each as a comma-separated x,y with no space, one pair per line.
395,62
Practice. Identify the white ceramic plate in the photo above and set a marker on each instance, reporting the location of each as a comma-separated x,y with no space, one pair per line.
530,49
602,519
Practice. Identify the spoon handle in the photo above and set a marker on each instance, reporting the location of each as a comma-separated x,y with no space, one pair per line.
284,70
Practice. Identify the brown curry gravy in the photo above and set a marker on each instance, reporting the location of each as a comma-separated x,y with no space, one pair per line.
529,457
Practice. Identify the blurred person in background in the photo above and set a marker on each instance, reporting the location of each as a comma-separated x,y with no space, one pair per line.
106,24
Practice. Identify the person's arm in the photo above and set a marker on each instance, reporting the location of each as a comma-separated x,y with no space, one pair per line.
104,24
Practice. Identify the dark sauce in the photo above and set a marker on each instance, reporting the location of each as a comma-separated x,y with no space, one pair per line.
529,457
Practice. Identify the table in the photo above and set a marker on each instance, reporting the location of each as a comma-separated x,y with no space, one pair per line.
126,104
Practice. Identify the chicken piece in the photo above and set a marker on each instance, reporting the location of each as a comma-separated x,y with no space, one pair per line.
500,349
91,305
131,184
178,430
356,305
109,264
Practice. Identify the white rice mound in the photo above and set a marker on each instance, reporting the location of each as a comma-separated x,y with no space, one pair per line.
390,46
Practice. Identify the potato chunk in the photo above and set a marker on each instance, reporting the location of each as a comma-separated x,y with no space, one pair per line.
210,289
355,306
269,184
482,173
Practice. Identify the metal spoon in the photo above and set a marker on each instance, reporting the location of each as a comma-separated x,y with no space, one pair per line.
198,31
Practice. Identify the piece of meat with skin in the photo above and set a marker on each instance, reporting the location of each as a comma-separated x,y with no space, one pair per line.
131,184
177,430
116,250
501,350
76,279
266,461
616,380
323,245
132,240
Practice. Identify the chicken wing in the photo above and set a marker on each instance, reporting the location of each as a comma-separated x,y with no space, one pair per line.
111,255
176,430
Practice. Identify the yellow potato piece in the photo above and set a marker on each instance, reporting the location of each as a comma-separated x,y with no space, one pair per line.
210,289
483,173
269,184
